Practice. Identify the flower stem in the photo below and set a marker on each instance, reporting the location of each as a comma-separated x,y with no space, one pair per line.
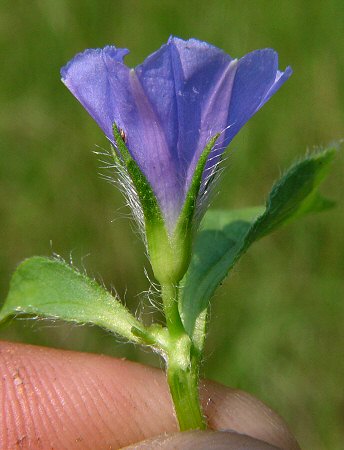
169,294
182,365
183,383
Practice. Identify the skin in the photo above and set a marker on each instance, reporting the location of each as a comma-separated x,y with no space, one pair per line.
56,399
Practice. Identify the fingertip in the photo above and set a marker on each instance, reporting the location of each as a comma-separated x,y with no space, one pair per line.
202,440
63,399
233,409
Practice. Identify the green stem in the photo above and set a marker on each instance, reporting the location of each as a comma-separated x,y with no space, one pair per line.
182,365
183,383
169,294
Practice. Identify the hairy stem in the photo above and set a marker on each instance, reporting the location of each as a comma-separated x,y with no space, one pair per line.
183,383
182,365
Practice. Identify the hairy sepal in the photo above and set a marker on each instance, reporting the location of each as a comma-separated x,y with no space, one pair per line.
183,235
169,253
163,260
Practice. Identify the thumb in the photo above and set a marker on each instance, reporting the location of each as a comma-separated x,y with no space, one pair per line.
203,440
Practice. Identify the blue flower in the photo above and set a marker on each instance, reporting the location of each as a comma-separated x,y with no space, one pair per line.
170,106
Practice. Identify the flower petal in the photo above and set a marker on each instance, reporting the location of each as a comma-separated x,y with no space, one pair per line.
99,80
188,84
172,105
257,79
111,92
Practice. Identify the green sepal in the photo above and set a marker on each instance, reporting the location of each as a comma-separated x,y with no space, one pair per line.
169,253
185,220
158,241
226,235
50,288
152,212
182,238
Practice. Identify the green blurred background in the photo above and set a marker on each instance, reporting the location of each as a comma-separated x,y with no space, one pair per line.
277,324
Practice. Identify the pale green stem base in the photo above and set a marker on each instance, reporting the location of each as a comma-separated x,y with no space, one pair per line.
182,367
184,391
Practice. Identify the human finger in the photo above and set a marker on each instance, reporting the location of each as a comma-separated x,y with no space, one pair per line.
61,399
202,440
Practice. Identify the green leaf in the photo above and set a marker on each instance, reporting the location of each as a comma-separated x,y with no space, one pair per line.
295,194
226,235
53,289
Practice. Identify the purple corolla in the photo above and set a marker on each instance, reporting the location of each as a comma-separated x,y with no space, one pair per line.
171,105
